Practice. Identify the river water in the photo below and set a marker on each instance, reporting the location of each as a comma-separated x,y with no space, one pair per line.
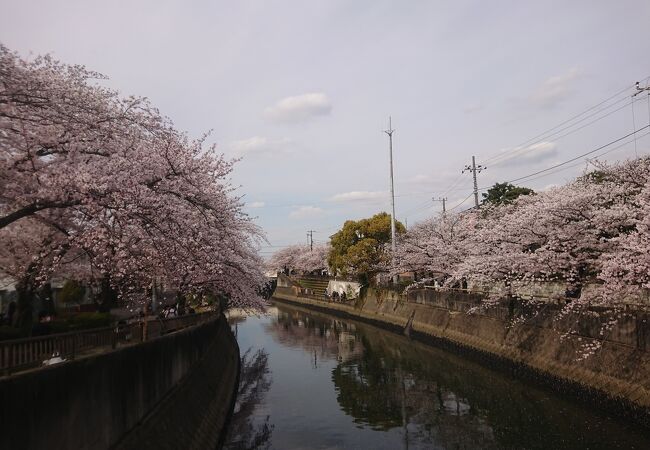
313,381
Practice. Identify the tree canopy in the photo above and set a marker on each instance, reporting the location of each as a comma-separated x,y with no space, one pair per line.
502,193
300,258
359,248
104,187
593,231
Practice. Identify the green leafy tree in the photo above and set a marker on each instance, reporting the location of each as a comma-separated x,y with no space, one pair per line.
359,248
502,193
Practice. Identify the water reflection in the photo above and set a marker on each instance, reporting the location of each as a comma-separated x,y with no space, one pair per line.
325,338
380,390
254,382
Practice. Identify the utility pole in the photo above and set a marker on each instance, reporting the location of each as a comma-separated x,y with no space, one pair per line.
639,90
310,235
390,132
474,169
444,203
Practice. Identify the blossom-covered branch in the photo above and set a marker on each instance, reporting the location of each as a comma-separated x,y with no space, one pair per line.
107,182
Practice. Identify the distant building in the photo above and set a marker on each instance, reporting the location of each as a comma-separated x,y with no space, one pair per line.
8,293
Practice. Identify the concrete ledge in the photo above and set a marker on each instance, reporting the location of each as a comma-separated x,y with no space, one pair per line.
194,413
180,385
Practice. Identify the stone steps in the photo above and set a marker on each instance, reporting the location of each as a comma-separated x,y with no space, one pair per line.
317,286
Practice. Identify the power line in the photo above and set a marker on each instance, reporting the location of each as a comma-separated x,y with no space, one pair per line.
444,203
588,159
563,168
521,151
544,134
596,112
463,201
544,171
454,184
418,210
579,156
419,207
559,128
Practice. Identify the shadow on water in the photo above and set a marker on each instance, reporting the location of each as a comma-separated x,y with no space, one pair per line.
396,393
254,383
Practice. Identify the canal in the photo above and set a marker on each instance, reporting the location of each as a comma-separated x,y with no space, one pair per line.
314,381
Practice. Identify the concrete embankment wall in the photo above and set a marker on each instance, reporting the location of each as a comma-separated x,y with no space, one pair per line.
616,377
175,391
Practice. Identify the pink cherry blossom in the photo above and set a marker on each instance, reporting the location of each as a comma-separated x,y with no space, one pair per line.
300,258
95,185
591,235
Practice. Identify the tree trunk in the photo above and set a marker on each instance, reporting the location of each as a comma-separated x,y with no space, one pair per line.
25,293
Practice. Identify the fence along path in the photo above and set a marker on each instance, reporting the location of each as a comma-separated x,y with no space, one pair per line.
22,354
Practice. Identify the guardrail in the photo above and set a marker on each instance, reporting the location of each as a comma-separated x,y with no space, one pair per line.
21,354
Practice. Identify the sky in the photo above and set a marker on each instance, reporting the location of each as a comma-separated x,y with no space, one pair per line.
301,91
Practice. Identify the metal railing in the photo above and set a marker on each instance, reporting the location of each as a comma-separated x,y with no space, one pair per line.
21,354
159,327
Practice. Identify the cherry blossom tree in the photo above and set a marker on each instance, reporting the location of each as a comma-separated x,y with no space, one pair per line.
104,187
300,258
565,234
592,232
437,245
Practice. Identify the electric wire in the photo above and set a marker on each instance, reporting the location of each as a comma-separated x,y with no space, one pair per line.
529,148
463,201
579,156
543,135
555,132
587,159
551,132
563,126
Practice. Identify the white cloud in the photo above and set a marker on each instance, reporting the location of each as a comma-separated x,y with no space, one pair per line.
533,154
306,212
355,196
555,89
299,108
256,204
261,146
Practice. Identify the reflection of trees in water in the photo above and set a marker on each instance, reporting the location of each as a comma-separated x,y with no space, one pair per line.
368,392
325,338
380,385
385,392
449,402
437,399
382,392
254,383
